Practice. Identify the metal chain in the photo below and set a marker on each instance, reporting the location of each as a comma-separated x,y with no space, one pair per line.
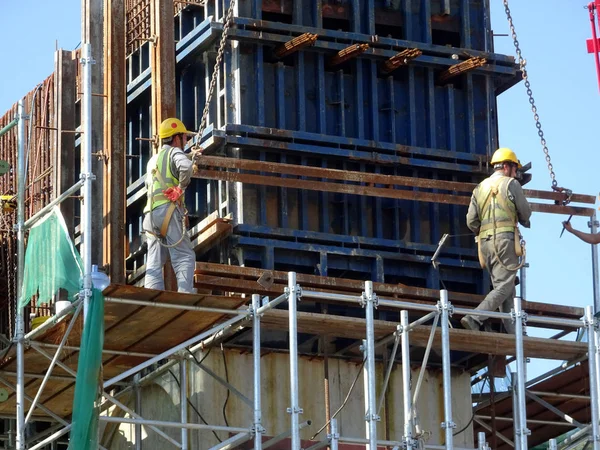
536,117
213,82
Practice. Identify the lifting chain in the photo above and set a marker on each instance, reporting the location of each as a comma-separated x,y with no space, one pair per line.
227,21
536,117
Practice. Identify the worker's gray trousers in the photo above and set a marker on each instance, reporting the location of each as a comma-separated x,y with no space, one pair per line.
183,258
503,281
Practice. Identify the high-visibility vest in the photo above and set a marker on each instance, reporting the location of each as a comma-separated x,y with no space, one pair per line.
493,203
160,178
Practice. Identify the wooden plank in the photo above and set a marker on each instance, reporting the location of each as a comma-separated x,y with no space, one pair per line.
64,119
225,276
93,30
115,85
162,62
164,98
461,340
366,177
353,189
212,236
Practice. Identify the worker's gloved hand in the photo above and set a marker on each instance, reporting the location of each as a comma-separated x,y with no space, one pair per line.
173,193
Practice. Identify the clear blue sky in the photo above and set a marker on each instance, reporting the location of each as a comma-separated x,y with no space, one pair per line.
552,35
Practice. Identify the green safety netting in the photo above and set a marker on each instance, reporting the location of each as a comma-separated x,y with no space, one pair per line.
51,261
84,434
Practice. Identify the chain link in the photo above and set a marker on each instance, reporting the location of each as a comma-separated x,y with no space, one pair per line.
213,82
536,117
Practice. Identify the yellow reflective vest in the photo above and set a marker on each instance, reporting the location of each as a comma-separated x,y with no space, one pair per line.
496,211
160,178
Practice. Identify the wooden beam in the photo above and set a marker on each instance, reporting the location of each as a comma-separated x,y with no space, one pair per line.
212,236
243,280
460,340
371,178
93,32
115,197
64,119
162,63
383,192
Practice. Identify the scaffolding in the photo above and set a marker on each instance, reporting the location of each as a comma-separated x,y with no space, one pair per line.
368,300
252,314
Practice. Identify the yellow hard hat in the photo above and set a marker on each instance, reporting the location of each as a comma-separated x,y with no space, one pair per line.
505,155
171,127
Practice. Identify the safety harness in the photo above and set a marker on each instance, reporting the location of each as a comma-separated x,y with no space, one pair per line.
494,201
158,195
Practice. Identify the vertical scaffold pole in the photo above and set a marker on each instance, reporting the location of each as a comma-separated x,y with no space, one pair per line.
334,437
258,429
448,425
88,177
294,410
370,302
590,323
20,325
595,280
520,318
406,391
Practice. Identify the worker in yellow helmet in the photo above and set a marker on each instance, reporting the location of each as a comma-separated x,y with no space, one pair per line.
498,205
168,173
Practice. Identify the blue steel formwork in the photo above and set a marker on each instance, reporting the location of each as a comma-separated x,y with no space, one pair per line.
299,110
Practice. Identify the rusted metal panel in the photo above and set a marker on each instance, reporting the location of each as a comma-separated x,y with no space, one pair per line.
137,14
93,31
162,62
115,134
65,98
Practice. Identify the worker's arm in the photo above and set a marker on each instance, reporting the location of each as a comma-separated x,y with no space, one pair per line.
518,197
183,167
585,237
473,221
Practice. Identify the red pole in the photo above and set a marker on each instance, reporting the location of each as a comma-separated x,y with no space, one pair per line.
592,9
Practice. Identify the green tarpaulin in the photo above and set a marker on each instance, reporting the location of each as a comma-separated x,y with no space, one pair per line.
51,261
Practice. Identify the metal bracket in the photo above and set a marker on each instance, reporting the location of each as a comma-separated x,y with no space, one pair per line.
295,411
514,316
364,300
24,117
526,432
595,223
85,293
369,417
440,308
85,176
450,424
297,289
84,61
331,436
258,429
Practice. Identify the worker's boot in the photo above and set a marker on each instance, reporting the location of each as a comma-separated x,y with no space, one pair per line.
470,323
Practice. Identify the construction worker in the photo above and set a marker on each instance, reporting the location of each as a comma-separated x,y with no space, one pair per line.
498,204
589,238
168,173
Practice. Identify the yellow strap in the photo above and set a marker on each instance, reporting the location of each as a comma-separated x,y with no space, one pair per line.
165,225
497,225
